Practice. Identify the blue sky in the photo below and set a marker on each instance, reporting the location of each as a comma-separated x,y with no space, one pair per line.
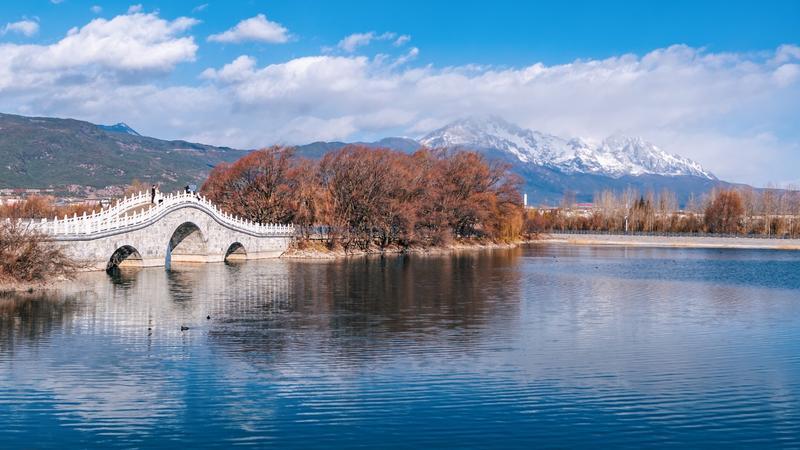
481,32
715,81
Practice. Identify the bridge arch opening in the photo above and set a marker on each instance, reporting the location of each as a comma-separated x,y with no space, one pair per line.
236,252
187,245
124,257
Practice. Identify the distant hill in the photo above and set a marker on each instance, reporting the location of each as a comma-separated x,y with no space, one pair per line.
316,150
38,152
44,152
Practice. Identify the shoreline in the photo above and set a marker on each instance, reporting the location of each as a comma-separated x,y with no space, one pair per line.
8,287
707,242
314,252
321,252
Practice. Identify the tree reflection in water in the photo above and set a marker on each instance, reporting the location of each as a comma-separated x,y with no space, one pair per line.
25,318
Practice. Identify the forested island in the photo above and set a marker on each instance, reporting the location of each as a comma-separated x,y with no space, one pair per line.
362,199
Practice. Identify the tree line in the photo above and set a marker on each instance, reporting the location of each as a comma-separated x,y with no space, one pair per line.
739,211
358,197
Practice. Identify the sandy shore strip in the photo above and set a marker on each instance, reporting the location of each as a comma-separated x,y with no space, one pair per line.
673,241
321,252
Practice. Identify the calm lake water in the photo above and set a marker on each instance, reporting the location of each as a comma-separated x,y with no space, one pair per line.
547,346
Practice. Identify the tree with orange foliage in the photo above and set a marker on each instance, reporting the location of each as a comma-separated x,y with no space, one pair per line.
472,197
724,212
255,186
358,182
374,196
308,201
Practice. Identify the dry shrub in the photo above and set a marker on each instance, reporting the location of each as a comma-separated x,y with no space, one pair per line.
27,256
724,212
43,207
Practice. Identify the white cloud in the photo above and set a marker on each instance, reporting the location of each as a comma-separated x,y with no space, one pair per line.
355,40
708,106
787,53
97,9
402,40
200,8
133,9
409,56
56,2
787,74
256,28
25,27
136,42
240,69
733,112
129,42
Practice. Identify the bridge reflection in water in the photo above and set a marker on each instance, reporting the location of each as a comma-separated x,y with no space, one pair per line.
109,353
183,296
131,303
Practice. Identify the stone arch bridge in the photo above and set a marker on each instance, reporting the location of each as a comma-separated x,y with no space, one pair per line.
177,228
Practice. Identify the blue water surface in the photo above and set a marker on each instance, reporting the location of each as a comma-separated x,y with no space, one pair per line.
544,346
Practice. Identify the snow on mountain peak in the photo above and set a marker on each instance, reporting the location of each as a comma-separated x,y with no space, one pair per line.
616,156
638,156
492,132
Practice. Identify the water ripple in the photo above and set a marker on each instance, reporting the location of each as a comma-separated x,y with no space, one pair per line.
550,346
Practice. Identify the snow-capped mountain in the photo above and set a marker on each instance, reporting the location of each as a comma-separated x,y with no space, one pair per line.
615,157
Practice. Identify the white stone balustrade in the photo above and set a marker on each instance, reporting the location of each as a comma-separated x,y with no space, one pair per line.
124,215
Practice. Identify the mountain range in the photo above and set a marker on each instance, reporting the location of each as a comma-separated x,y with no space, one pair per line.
37,152
614,157
550,165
